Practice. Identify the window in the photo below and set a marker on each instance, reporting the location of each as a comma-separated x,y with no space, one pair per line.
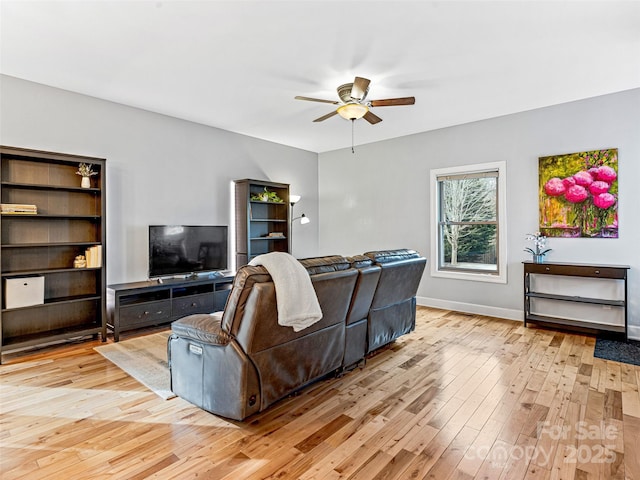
467,222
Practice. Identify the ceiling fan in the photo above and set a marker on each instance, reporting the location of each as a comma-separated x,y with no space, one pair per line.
352,104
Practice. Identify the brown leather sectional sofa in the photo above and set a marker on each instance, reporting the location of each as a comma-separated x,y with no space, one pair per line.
241,362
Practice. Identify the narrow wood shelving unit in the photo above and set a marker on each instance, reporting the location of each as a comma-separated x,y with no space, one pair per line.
609,273
255,220
69,220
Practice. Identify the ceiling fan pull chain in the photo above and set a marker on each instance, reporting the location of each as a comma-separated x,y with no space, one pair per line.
352,128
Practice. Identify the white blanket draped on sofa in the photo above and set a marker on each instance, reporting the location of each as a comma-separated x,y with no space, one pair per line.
296,299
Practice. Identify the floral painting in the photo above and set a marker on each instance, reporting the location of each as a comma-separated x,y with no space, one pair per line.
579,194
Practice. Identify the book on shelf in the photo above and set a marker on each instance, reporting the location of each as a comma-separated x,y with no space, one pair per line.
18,208
93,255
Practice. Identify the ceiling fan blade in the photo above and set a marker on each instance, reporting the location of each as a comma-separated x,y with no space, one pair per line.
372,118
359,88
324,117
333,102
392,102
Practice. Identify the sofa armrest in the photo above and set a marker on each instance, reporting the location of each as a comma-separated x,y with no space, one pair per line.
203,328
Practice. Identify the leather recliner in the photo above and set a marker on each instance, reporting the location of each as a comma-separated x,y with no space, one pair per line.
357,318
239,362
393,307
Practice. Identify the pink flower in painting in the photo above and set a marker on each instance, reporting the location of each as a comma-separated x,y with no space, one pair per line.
593,171
568,182
599,187
604,200
576,194
583,178
607,174
554,187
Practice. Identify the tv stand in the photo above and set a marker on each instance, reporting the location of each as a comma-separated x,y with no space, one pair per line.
156,302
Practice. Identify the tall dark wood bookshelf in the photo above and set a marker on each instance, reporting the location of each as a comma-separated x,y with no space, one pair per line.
261,226
69,221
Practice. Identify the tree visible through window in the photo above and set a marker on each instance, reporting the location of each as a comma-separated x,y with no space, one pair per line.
468,221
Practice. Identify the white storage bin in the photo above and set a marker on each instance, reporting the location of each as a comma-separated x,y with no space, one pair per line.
23,291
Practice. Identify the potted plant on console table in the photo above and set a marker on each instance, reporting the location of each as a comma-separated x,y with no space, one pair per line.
539,242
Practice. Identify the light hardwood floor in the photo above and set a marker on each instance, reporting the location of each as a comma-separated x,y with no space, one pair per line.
462,397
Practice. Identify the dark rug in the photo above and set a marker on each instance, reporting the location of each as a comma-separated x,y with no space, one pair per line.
619,351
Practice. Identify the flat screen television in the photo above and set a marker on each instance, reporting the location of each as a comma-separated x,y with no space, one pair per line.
176,250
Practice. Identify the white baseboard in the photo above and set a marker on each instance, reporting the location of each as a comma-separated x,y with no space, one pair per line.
498,312
633,332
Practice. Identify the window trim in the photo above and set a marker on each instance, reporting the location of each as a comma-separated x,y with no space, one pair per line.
501,276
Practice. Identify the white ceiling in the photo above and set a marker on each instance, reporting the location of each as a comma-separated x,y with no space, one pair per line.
237,65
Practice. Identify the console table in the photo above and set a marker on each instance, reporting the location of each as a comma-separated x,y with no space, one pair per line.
610,273
143,304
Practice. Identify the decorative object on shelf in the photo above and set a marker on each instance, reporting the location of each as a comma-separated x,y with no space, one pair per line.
94,256
85,171
23,291
80,262
267,196
579,194
18,209
539,242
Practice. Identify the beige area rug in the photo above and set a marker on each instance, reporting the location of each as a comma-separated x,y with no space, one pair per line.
145,359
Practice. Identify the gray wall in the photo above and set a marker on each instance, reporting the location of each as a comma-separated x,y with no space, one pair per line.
160,170
379,197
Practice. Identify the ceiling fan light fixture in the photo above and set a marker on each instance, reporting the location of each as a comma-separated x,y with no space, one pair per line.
352,111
